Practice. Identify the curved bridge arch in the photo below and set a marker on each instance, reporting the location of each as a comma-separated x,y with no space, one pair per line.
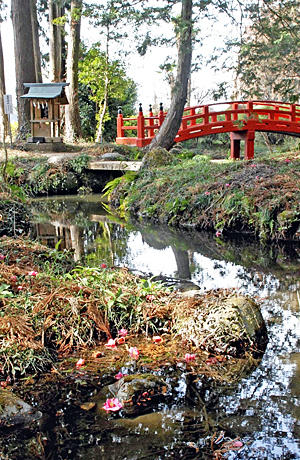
240,118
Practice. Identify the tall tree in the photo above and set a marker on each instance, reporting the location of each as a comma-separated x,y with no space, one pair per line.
24,58
171,124
114,89
55,40
72,118
269,57
36,43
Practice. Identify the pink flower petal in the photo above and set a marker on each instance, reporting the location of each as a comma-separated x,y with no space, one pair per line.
112,405
119,375
123,332
120,340
157,339
237,444
189,357
80,363
134,352
110,344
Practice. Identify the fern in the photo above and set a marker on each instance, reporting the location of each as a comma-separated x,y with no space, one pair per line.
130,176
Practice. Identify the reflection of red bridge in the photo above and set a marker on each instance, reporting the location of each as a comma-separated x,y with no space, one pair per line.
241,119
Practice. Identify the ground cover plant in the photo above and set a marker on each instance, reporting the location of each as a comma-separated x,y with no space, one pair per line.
51,311
259,197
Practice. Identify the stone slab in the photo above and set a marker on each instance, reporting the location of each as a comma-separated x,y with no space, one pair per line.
115,165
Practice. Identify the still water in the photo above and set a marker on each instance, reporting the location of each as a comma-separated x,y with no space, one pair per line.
262,409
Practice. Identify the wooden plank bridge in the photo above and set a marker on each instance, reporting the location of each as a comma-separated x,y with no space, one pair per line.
240,118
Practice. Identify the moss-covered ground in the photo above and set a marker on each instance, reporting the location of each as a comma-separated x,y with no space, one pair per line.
259,197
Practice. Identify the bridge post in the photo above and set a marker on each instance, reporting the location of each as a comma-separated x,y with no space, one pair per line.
192,113
120,130
161,115
151,123
235,146
249,145
293,112
235,106
206,116
140,128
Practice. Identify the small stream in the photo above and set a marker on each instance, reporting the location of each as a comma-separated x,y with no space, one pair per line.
263,408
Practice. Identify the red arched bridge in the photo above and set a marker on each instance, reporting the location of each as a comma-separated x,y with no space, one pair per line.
241,119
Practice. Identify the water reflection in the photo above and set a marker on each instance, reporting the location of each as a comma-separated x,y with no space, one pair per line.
264,408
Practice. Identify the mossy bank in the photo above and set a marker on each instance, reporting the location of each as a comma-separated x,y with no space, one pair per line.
259,197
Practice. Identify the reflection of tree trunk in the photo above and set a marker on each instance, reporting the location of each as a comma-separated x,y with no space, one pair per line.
106,226
77,241
183,263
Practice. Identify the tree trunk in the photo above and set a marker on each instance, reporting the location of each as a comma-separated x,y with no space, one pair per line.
36,43
55,42
4,118
2,92
165,136
24,59
105,96
73,129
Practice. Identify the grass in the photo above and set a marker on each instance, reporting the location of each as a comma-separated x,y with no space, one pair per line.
260,197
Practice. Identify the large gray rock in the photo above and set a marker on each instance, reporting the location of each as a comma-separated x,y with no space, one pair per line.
15,411
222,323
112,156
139,393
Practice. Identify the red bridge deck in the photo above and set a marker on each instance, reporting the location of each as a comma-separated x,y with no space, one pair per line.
240,118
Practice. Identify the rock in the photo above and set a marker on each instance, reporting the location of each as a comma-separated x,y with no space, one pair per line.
191,294
112,156
15,411
188,287
139,392
231,324
157,157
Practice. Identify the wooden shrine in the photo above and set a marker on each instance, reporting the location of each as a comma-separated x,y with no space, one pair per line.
46,100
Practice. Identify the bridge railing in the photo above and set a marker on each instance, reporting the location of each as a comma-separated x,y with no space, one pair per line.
208,119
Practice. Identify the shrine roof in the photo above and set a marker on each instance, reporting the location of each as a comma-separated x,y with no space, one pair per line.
45,90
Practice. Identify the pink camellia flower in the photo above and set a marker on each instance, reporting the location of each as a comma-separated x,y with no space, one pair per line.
207,193
20,288
287,160
119,375
123,332
150,297
13,278
2,256
189,357
134,352
218,234
110,344
33,273
80,363
112,405
103,266
157,339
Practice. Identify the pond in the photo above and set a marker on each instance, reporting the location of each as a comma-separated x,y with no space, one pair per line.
262,409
